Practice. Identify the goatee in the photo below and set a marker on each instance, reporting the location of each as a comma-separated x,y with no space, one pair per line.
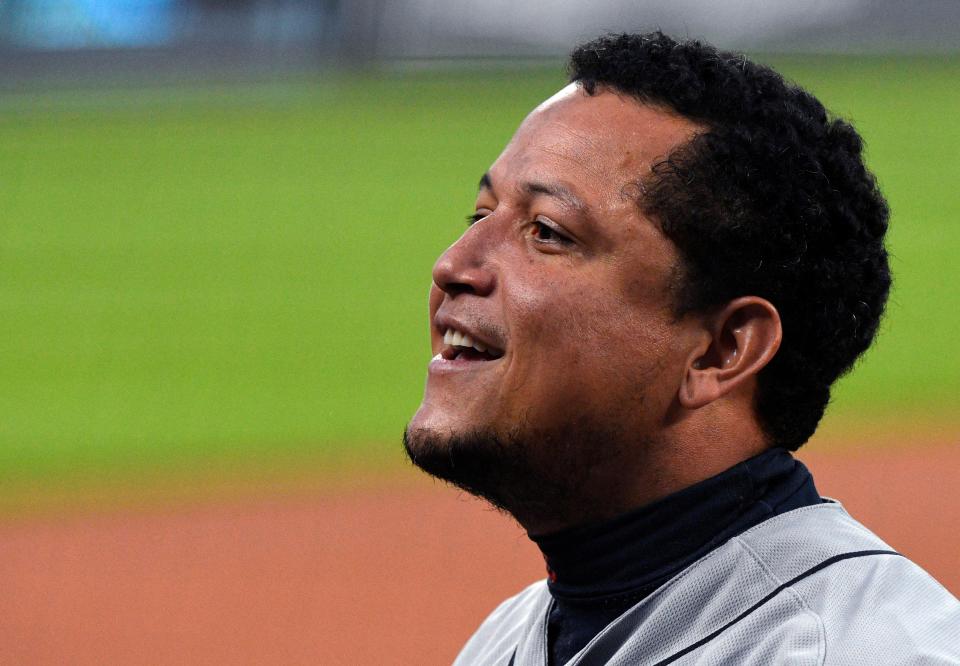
536,478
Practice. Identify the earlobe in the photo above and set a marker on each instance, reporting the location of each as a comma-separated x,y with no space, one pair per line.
743,337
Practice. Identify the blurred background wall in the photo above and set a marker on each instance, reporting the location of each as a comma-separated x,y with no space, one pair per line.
58,39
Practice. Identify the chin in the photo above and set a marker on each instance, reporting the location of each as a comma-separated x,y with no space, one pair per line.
496,466
505,468
443,448
433,423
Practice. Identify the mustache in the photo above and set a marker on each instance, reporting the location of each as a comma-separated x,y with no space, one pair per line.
477,323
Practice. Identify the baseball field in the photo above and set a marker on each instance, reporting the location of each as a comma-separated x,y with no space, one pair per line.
214,330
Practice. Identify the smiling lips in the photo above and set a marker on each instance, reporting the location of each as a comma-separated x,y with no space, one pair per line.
458,345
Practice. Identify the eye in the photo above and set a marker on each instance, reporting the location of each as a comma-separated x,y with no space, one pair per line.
546,233
473,218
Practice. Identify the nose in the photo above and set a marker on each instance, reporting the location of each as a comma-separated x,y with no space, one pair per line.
464,268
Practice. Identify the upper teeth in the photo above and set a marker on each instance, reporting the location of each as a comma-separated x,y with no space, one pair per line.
458,339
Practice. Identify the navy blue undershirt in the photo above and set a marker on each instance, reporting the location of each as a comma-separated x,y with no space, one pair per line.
599,571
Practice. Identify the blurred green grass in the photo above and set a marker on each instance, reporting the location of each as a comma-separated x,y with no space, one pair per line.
205,276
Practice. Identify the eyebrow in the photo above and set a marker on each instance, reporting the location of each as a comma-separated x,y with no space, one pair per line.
554,190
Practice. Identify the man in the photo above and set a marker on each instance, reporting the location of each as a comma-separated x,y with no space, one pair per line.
670,263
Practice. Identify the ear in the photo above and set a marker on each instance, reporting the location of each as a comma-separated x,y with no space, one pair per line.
742,338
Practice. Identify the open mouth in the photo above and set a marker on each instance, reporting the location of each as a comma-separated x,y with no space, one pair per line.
460,346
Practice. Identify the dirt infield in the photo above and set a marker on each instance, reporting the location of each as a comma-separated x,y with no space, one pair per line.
397,575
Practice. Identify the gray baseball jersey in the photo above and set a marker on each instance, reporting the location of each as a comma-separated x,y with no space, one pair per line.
811,586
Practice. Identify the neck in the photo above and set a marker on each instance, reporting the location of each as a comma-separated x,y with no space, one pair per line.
632,551
666,467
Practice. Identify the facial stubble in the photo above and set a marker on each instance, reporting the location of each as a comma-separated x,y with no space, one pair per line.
538,477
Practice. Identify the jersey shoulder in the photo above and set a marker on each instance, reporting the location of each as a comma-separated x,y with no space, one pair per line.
496,640
872,604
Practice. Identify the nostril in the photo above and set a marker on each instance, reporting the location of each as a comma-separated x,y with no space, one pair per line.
476,281
455,288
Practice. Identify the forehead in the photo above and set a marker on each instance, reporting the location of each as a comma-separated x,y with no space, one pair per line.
596,143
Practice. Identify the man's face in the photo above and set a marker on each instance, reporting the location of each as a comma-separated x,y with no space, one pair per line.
567,287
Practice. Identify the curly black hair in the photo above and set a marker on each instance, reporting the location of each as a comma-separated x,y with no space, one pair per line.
772,199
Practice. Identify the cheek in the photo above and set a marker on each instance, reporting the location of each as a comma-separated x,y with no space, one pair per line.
553,320
583,346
